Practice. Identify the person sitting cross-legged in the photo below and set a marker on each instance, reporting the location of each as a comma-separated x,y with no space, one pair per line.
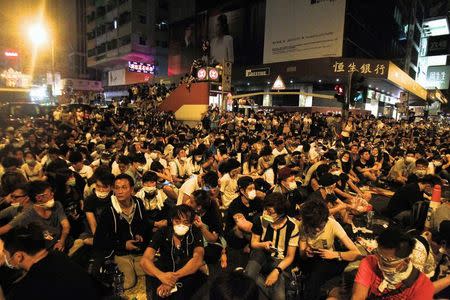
274,242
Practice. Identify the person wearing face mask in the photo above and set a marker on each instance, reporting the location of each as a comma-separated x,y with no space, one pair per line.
238,222
228,182
275,238
207,181
389,273
46,212
178,167
320,260
49,274
123,231
32,169
401,204
195,162
20,201
287,186
136,169
402,168
419,171
176,272
96,203
154,199
265,163
209,220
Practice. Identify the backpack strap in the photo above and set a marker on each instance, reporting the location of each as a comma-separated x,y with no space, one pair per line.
424,243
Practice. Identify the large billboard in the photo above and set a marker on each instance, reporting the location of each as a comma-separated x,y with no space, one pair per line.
303,29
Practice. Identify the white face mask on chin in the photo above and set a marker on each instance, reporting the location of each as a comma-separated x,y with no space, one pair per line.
180,229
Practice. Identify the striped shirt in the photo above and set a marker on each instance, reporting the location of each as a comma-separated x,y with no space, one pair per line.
281,238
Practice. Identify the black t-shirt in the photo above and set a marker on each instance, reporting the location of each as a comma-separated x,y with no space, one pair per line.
237,207
173,258
55,277
213,219
404,199
96,205
359,164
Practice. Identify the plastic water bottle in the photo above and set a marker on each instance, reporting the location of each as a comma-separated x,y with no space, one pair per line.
370,214
118,281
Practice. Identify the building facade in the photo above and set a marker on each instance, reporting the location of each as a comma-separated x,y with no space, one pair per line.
119,31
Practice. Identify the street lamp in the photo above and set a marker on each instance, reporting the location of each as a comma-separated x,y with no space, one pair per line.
39,36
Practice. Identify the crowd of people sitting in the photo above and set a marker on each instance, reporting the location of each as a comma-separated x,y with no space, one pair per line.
237,207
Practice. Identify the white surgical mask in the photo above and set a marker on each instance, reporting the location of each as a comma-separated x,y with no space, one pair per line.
49,204
291,186
101,195
149,189
268,219
30,161
180,229
71,182
337,172
251,195
15,204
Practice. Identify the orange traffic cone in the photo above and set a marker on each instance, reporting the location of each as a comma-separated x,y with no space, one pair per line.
434,204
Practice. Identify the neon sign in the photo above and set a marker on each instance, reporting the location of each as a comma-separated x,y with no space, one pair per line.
140,67
11,54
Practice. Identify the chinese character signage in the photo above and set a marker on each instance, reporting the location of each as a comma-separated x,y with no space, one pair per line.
140,67
438,45
372,68
438,76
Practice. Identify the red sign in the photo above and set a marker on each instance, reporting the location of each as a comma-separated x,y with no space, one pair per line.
11,54
201,74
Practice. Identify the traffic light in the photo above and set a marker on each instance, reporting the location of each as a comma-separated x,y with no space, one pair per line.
358,88
340,93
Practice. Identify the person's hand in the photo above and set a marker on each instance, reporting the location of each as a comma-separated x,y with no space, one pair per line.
59,246
266,245
2,253
223,261
198,222
163,290
138,238
168,278
328,254
129,245
310,252
272,278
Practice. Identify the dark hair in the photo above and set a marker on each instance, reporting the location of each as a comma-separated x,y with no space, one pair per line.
75,157
244,181
156,166
233,285
21,186
182,210
422,162
265,151
362,151
29,240
149,176
202,198
138,158
394,238
430,179
9,162
105,178
279,203
313,214
126,177
37,187
211,179
123,160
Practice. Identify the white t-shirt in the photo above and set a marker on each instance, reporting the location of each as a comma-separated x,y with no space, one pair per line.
275,152
188,187
325,239
85,172
229,189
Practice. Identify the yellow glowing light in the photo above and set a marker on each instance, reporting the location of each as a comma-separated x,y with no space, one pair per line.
38,34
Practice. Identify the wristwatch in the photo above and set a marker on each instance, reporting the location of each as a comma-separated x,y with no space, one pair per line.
279,270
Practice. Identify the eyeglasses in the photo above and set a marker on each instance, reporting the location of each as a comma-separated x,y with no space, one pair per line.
17,196
45,195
